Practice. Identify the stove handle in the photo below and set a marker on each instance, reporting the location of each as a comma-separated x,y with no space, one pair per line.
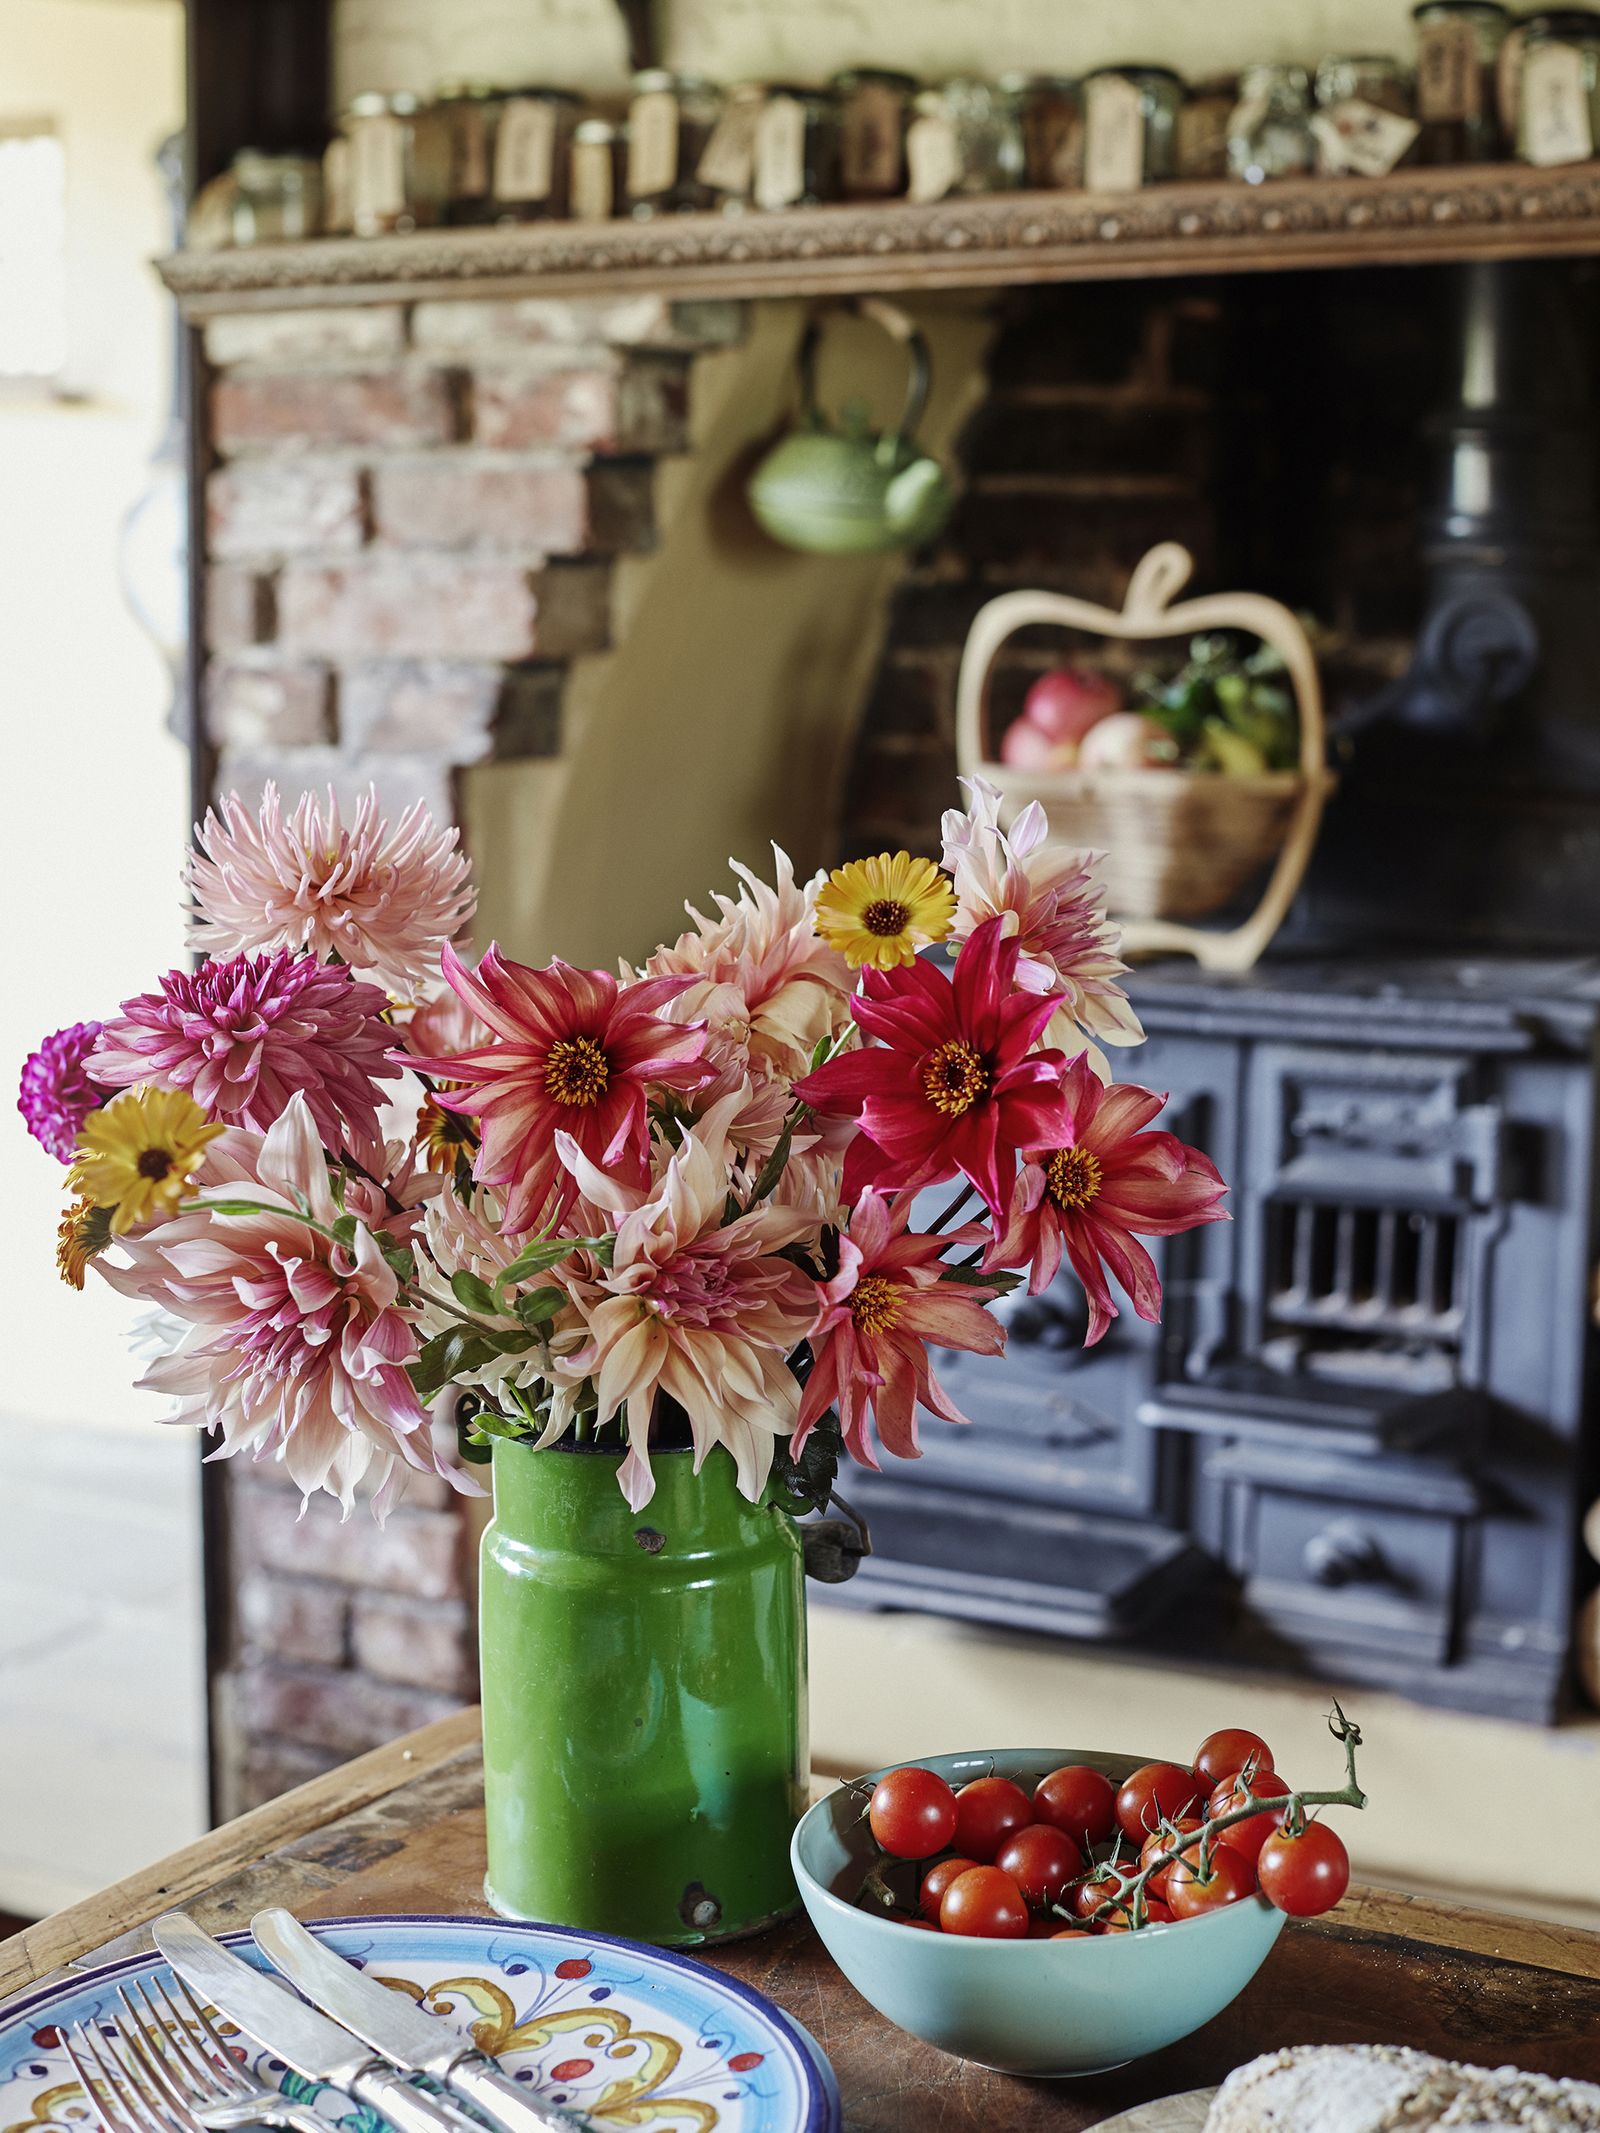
1345,1553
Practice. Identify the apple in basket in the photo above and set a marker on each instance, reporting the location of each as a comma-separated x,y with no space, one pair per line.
1128,741
1066,701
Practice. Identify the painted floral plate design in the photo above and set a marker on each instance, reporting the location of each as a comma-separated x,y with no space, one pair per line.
637,2039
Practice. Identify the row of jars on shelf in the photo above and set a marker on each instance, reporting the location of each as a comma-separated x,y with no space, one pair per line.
476,154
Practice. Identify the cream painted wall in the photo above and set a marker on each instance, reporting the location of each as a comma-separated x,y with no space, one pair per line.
393,44
734,683
93,790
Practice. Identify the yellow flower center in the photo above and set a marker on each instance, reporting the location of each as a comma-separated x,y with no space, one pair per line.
875,1304
154,1163
954,1077
576,1071
885,917
1072,1179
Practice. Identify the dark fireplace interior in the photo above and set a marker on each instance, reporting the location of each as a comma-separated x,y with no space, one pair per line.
1360,1443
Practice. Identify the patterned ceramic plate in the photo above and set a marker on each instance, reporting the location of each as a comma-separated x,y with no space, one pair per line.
638,2039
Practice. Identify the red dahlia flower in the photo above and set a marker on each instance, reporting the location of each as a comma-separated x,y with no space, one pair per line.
879,1313
576,1052
1088,1197
954,1083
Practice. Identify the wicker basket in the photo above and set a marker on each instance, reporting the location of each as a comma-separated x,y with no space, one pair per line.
1175,845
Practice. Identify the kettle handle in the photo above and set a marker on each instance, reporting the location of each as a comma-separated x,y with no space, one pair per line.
895,323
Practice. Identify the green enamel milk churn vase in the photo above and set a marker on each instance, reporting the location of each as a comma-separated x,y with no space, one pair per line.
644,1697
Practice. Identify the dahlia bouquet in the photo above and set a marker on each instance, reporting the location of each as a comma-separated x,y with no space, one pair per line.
358,1177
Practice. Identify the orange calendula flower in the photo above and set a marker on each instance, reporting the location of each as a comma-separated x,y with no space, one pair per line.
880,911
84,1229
443,1137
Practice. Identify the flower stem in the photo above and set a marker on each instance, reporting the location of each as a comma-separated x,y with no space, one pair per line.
967,1192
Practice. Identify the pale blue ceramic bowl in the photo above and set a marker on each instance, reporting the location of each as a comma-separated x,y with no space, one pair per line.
1040,2007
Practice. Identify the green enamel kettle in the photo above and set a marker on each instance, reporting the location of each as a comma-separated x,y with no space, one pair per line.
839,488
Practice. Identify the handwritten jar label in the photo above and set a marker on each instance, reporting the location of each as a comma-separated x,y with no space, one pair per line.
727,162
933,156
780,152
1114,152
871,149
593,178
1361,138
525,150
377,171
1556,123
652,144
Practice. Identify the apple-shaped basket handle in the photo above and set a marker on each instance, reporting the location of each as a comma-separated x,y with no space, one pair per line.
1147,612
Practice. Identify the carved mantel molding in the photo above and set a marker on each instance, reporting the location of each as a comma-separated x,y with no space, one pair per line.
1484,211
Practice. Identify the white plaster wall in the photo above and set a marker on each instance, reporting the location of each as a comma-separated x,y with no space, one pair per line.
410,44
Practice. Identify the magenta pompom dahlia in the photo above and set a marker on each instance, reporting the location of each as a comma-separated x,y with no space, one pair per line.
56,1094
244,1036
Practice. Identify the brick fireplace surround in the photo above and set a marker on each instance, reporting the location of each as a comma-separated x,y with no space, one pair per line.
412,523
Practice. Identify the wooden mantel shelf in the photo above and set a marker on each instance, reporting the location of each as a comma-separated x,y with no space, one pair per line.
1484,211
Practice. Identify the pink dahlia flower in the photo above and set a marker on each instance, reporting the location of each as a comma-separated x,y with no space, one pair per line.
56,1094
694,1307
1052,902
954,1083
294,1348
244,1036
795,989
377,898
573,1051
880,1313
1087,1198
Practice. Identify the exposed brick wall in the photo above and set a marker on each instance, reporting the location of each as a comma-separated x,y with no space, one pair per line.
1110,410
411,527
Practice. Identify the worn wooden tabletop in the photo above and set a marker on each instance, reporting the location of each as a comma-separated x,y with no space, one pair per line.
402,1830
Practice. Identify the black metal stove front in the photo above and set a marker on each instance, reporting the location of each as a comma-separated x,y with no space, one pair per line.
1356,1442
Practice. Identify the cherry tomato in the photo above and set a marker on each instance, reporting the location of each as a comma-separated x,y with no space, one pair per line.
988,1811
1230,1880
1223,1755
934,1883
1155,1792
913,1813
985,1903
1080,1801
1304,1875
923,1925
1069,1933
1156,1913
1248,1836
1041,1861
1165,1840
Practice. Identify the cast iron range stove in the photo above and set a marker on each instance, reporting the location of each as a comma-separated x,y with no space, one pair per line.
1361,1442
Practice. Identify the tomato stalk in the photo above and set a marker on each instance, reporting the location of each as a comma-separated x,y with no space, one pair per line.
1291,1806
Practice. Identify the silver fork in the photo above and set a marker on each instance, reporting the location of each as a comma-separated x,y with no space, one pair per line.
175,2073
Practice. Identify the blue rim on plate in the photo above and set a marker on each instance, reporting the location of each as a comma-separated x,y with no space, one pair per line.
718,2056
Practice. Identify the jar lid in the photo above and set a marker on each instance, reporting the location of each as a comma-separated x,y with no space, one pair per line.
462,92
541,92
800,92
1491,9
1368,62
1548,25
1015,83
593,129
1280,73
1137,70
889,77
374,103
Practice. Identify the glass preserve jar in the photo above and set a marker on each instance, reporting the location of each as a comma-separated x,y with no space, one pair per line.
1269,134
670,123
1363,122
1130,127
276,198
874,114
1458,49
796,148
1049,111
465,114
597,170
398,176
1203,117
987,124
1558,87
532,153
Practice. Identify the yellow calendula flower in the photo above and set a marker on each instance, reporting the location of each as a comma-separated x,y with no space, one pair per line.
82,1231
137,1154
881,911
443,1137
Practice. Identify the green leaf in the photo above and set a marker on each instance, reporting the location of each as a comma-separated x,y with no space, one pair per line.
345,1230
773,1168
546,1252
808,1481
445,1358
539,1306
473,1294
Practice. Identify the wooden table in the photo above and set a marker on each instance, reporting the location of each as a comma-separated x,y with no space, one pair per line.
402,1830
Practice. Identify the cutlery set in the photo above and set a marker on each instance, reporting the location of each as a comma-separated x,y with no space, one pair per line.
162,2066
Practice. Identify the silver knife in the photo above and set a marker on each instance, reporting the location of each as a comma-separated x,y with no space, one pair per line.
316,2048
418,2043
